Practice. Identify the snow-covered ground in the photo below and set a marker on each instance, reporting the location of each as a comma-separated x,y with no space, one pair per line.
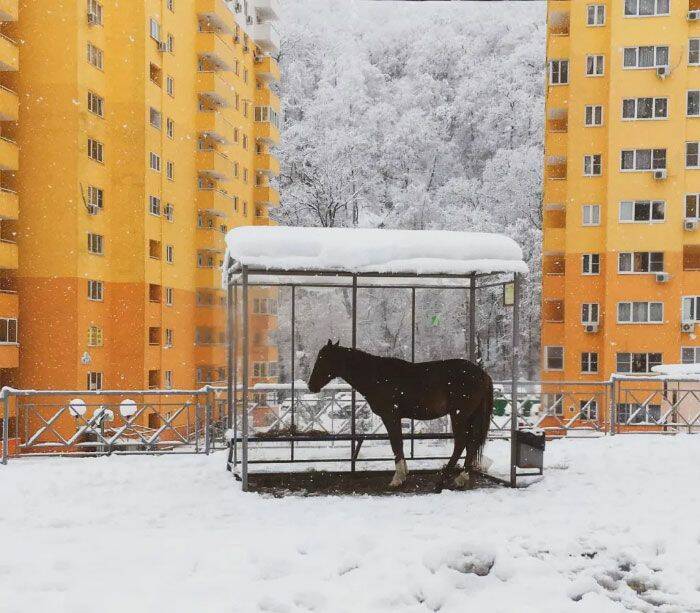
613,526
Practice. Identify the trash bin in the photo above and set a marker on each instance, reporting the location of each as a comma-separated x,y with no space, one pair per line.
530,449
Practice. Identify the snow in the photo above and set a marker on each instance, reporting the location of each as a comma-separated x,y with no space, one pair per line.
609,528
353,250
678,370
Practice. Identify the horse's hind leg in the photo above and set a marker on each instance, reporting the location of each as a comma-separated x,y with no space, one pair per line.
393,428
460,435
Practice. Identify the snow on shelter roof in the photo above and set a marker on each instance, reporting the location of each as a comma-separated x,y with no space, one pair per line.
280,250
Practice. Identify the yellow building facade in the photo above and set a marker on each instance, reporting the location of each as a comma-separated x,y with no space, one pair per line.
621,254
144,132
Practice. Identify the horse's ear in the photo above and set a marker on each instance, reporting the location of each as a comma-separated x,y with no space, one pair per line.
330,343
337,343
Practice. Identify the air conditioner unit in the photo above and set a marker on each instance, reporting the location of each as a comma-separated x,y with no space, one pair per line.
162,46
591,328
663,71
662,277
238,7
258,58
661,174
688,327
92,19
691,224
693,15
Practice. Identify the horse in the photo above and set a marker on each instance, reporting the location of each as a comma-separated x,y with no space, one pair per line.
396,389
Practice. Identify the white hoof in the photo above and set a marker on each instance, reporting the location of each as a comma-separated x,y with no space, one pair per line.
400,475
462,479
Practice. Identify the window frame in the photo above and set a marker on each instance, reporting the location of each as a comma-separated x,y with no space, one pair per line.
595,14
637,15
631,355
693,309
633,305
9,328
590,162
633,258
95,104
94,241
593,108
596,62
637,203
652,159
637,51
654,108
588,359
590,208
592,309
547,358
95,287
593,260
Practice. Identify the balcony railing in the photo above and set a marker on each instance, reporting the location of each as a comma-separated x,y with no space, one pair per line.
214,164
212,85
9,204
267,69
267,164
266,37
9,54
8,255
212,124
9,154
267,196
213,48
9,105
215,15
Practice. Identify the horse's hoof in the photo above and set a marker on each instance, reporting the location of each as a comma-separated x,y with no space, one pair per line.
396,483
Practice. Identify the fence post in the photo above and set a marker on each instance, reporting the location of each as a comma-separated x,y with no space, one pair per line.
207,420
5,427
613,407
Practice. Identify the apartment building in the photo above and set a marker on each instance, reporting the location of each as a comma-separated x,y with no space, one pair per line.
621,262
145,132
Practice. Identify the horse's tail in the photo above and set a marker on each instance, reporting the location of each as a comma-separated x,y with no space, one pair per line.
478,430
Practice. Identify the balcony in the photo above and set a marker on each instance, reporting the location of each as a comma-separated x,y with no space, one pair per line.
9,356
214,202
267,196
267,69
211,124
216,52
261,220
8,255
214,164
208,278
8,10
210,240
212,85
9,154
267,132
214,15
266,97
267,9
559,23
267,164
554,239
9,204
266,37
9,54
556,168
9,105
558,120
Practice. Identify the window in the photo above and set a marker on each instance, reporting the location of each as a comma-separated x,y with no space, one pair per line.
640,312
595,65
588,409
245,175
554,358
170,170
95,57
691,309
640,261
169,254
690,355
154,293
590,313
640,160
594,115
645,108
168,379
154,205
596,15
95,290
155,118
171,43
645,57
637,362
693,103
95,150
154,336
264,306
266,113
635,413
154,249
692,155
94,380
95,336
692,206
593,165
646,8
94,11
168,296
155,29
96,104
170,86
642,211
171,5
244,142
95,199
95,244
589,363
591,214
8,331
590,264
170,128
169,212
694,51
553,404
169,335
154,161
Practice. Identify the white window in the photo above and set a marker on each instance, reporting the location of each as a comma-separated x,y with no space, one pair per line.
590,264
95,150
594,115
590,313
170,128
692,206
8,331
588,409
267,113
95,56
641,160
154,161
95,199
154,205
170,170
637,362
693,103
169,212
94,380
96,104
170,86
589,364
595,65
691,309
690,355
692,155
642,211
171,43
694,51
264,306
169,254
640,312
168,296
640,262
645,57
596,15
95,336
554,358
646,8
155,118
593,165
95,290
95,243
645,108
155,29
168,380
169,336
94,11
591,214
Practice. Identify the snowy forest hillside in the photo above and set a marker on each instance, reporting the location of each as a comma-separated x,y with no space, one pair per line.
413,115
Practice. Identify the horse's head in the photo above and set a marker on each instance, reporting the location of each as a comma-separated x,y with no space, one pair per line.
325,368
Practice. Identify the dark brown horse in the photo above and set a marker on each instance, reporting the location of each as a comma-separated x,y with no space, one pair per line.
396,389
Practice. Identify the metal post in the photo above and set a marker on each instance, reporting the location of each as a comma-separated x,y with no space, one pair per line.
514,381
229,354
6,428
234,376
293,369
245,375
613,406
207,420
472,318
353,393
413,359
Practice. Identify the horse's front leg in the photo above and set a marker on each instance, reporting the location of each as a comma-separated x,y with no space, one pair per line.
392,424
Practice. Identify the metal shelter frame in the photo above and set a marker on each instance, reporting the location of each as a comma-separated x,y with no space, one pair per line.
242,277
